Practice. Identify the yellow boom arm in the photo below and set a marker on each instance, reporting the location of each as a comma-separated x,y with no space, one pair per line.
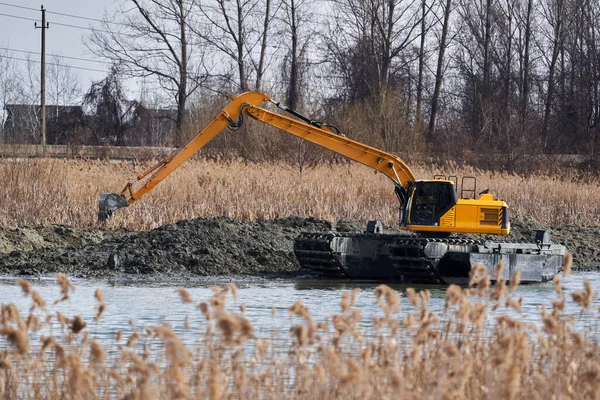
248,104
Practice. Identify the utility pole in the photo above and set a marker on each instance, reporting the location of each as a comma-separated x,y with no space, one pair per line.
43,27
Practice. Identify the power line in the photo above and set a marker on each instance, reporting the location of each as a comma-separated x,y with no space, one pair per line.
87,28
60,65
19,17
67,65
54,55
124,12
16,6
105,31
61,14
69,25
90,29
85,18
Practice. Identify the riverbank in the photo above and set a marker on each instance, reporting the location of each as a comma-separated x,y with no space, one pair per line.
209,247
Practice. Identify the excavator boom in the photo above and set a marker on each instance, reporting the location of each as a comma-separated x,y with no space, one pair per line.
389,164
232,115
430,206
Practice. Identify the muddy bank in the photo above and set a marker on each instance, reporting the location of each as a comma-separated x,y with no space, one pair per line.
202,247
207,247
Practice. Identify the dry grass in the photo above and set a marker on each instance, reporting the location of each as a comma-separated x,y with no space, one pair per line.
477,348
41,192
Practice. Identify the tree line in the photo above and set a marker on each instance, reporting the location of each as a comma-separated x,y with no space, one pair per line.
488,80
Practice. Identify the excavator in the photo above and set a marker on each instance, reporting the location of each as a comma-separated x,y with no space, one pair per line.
430,212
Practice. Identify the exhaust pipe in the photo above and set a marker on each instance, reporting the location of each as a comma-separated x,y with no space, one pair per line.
109,203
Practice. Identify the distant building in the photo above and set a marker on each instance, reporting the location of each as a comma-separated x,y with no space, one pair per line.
140,126
152,126
64,124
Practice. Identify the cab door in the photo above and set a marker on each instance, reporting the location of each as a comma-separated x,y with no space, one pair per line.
430,200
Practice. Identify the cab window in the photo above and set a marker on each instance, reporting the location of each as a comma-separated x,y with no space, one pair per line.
431,200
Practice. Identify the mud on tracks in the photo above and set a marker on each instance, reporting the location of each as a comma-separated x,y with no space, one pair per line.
209,247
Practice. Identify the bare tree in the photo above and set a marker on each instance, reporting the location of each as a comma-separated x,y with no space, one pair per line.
260,68
425,9
30,98
439,75
575,107
110,110
367,39
10,86
525,26
62,87
156,42
487,35
480,64
237,30
555,15
296,17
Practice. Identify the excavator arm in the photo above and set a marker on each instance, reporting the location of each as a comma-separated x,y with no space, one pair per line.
233,115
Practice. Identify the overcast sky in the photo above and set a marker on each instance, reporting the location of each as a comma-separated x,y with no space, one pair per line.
20,35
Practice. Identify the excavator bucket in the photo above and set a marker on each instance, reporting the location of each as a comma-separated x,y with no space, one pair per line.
109,203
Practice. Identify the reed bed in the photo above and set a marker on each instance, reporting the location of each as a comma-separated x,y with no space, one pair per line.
476,348
47,191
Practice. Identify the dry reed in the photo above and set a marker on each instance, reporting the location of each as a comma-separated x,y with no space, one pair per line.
42,192
472,350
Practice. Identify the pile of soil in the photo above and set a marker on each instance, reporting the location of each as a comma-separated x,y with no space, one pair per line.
201,247
208,247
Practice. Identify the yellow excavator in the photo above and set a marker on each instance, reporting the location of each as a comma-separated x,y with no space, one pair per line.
430,210
431,207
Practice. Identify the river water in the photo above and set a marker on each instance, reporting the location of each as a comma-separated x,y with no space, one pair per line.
148,303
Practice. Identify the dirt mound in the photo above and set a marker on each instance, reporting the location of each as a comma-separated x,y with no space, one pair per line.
209,246
348,225
54,237
202,247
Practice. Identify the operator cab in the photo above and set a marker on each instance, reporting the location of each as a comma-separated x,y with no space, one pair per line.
428,201
433,208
